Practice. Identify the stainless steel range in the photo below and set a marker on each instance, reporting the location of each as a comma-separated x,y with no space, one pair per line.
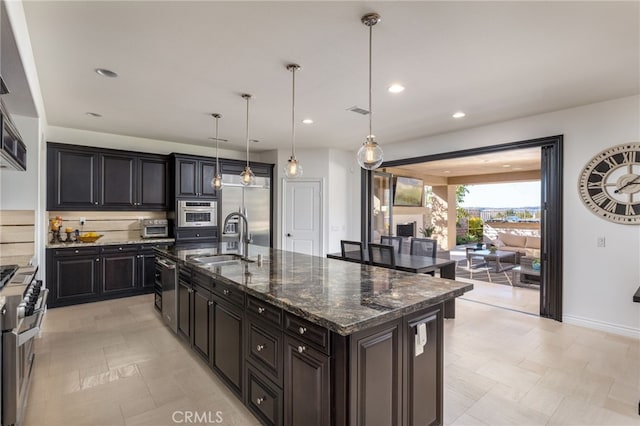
24,306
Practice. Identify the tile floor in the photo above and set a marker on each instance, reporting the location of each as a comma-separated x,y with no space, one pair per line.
115,363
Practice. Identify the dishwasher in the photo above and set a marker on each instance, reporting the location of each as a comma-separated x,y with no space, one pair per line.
169,292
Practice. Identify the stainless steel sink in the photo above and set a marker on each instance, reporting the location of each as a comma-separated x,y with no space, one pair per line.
220,259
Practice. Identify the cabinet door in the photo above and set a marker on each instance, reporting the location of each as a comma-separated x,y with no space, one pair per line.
376,378
75,279
207,173
185,303
119,273
146,269
75,179
202,309
228,359
306,385
153,183
186,176
423,373
118,180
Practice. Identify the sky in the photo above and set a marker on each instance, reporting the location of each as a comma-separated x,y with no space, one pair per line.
517,194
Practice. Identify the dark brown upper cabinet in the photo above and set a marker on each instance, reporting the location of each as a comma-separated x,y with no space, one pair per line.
193,176
99,179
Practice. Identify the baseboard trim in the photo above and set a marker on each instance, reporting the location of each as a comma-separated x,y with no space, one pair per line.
622,330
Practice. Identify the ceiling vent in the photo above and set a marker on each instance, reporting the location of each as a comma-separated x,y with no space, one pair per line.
358,110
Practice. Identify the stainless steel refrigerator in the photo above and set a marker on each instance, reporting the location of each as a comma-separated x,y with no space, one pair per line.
253,200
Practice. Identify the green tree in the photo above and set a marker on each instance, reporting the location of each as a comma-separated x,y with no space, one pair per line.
476,228
461,192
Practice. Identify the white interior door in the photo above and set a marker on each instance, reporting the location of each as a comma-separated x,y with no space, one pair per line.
302,216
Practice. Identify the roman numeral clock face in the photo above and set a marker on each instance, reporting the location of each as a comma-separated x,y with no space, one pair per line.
610,184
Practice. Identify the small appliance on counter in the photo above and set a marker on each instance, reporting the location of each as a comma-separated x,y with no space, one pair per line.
154,228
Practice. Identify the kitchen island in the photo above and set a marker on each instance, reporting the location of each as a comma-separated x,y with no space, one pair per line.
309,340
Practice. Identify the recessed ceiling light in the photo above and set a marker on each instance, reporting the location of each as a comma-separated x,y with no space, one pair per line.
458,114
506,165
93,114
307,121
396,88
106,73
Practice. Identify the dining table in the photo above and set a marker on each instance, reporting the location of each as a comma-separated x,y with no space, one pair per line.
417,265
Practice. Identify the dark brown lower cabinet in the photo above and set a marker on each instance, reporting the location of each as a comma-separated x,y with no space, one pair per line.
202,322
228,358
423,399
119,273
185,309
376,375
75,278
289,371
306,384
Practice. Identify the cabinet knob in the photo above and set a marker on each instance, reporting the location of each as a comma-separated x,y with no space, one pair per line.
301,349
260,310
197,235
98,260
259,348
225,292
120,248
302,330
210,302
77,251
259,401
95,202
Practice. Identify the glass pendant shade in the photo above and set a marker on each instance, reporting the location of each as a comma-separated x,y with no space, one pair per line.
247,176
370,154
293,168
216,182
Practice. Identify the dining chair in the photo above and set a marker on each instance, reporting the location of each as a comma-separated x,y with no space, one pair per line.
424,247
382,255
352,250
396,242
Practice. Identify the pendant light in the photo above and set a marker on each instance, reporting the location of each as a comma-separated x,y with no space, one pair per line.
248,178
293,168
370,153
216,182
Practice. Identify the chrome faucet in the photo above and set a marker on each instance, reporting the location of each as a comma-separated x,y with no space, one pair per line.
245,232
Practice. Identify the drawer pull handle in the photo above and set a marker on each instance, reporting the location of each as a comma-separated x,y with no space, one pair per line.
120,248
225,292
301,349
259,401
260,310
210,302
302,330
259,348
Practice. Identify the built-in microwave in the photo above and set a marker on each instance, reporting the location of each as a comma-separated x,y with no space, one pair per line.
197,213
154,228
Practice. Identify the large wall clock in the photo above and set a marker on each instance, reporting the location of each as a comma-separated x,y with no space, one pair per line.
609,184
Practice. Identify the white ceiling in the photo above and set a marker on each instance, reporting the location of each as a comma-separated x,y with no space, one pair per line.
179,61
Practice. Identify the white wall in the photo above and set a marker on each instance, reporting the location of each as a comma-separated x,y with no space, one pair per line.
598,282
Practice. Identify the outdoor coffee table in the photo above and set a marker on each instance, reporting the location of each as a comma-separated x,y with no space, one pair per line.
497,257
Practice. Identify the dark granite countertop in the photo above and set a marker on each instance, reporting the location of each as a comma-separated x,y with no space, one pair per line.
108,242
342,296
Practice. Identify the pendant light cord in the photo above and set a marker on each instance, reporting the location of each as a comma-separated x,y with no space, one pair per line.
217,157
293,114
248,130
370,60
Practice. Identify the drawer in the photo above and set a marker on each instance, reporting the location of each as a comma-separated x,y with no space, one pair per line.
313,334
264,349
264,311
197,234
130,248
79,251
228,293
202,280
264,398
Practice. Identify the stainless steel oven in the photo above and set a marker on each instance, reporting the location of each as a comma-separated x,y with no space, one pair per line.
155,228
197,213
21,319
